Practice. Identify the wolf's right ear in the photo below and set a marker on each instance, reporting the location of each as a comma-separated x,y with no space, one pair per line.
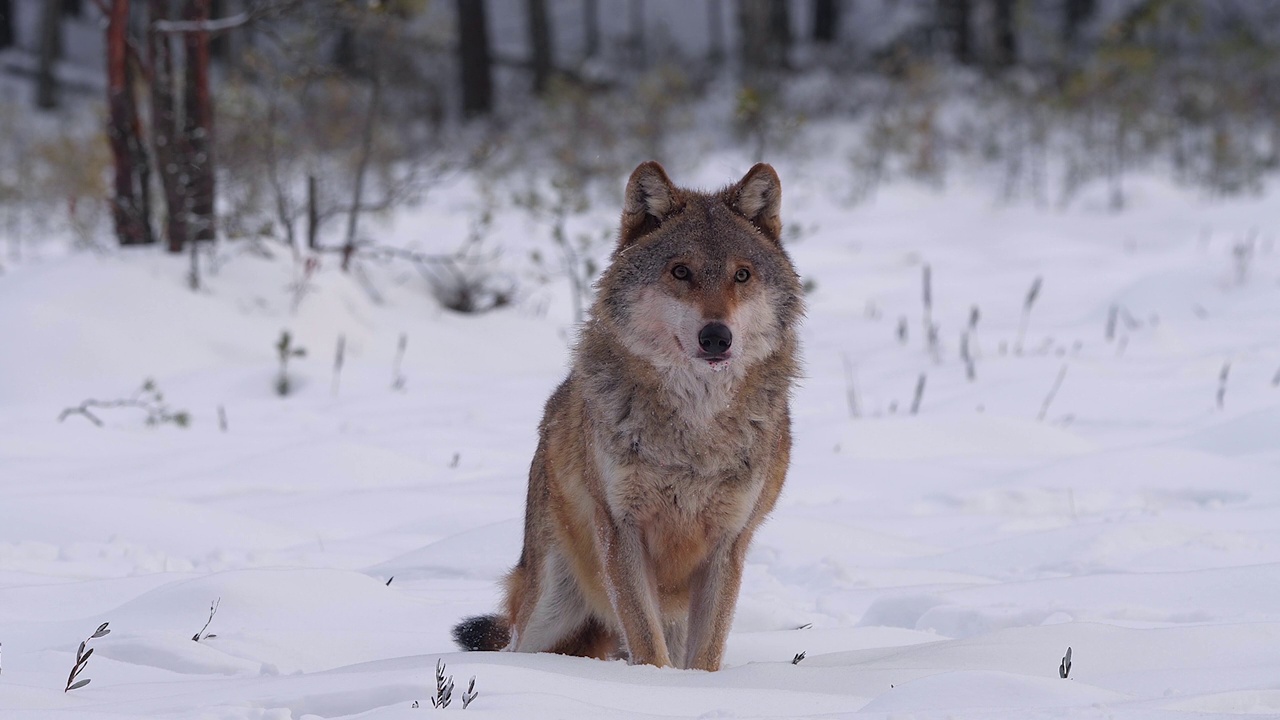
758,197
650,199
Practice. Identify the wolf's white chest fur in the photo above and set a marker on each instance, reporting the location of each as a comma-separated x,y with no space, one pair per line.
678,466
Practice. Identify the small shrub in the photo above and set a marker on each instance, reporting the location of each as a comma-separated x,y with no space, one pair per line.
285,349
202,635
148,399
444,688
82,659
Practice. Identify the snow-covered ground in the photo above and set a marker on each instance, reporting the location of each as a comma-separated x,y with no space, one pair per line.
929,565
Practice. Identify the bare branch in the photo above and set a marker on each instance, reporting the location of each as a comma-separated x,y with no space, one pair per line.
209,26
218,26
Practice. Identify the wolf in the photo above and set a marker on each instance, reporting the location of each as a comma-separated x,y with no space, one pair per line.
667,445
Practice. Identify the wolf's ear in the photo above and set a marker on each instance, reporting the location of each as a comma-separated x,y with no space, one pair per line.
650,199
758,198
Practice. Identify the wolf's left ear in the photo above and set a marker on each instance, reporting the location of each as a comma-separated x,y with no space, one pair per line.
651,198
758,198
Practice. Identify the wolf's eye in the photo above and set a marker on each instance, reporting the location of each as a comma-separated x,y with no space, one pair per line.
680,272
742,275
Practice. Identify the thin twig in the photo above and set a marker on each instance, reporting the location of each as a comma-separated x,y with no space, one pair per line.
1057,383
338,356
850,391
1027,304
915,403
967,356
930,330
1222,383
397,377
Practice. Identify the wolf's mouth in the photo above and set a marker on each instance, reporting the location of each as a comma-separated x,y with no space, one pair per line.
716,362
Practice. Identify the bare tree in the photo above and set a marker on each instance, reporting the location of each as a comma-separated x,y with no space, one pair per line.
955,19
780,30
50,50
826,20
474,59
344,50
1075,13
765,30
1006,37
715,30
635,14
362,161
6,24
591,28
540,44
130,208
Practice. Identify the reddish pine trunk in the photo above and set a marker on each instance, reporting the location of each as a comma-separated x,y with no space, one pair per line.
164,129
129,206
198,126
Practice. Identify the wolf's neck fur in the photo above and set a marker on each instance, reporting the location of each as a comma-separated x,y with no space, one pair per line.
622,379
699,396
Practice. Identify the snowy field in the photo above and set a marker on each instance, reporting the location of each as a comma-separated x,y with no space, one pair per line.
929,565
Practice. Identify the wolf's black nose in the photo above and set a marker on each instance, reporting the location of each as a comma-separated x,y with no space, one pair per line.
715,338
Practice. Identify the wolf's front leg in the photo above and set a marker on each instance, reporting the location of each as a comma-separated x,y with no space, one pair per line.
633,593
713,596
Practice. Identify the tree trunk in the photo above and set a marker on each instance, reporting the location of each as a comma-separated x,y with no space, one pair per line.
313,215
1075,13
635,13
362,162
765,33
344,50
50,50
219,44
591,28
129,204
166,141
1006,36
780,32
474,59
715,29
954,17
540,44
198,127
826,20
6,24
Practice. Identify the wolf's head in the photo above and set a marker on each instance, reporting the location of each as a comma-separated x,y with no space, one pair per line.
699,281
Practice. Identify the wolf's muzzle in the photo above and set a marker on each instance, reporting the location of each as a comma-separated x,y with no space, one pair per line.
715,338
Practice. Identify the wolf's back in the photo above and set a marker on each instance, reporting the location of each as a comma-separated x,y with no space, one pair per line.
482,632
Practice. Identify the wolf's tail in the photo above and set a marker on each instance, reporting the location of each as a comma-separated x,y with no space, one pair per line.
482,632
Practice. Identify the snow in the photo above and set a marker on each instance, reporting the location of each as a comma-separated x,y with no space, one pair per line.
931,565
